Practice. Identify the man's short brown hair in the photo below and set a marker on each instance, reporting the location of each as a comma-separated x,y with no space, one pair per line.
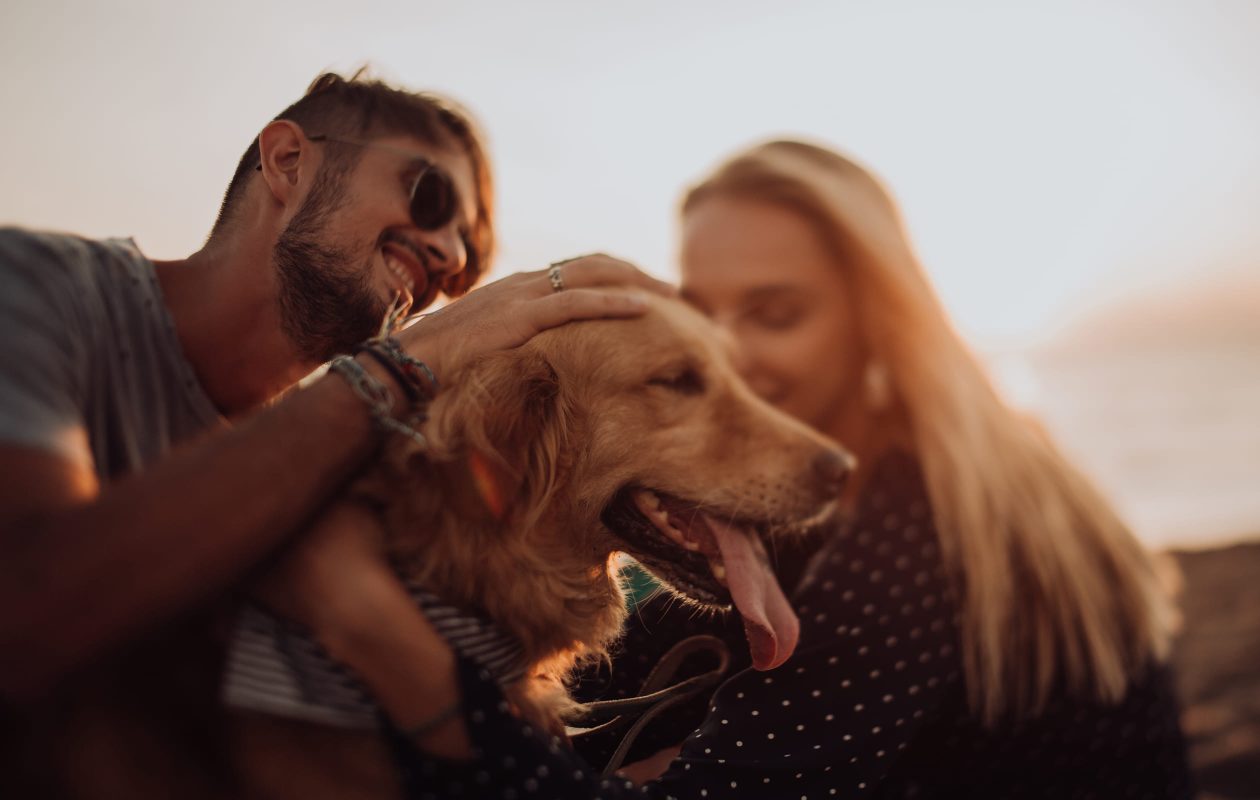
365,108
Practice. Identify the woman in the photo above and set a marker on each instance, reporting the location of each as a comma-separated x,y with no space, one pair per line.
984,624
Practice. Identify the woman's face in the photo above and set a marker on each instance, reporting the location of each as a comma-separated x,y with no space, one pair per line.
764,274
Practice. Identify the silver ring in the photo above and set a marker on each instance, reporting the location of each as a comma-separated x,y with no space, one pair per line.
553,275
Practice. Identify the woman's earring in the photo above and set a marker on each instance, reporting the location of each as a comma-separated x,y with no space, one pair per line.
876,385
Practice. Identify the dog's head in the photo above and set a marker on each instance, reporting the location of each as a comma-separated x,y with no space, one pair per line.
632,436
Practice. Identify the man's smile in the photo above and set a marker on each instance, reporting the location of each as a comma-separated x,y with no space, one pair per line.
408,267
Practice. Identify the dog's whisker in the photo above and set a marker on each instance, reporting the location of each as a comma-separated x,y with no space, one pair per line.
655,593
673,598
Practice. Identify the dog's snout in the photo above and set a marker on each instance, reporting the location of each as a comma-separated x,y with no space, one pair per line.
831,469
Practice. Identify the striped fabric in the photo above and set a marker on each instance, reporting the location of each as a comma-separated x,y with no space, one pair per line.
275,667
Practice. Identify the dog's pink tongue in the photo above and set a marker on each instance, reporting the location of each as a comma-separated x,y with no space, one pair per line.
769,622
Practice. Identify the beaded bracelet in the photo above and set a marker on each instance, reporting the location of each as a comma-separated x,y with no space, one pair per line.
377,396
405,382
413,376
413,366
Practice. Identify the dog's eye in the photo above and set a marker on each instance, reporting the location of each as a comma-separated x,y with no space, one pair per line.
686,381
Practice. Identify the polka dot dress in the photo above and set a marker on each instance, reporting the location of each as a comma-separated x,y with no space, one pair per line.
870,705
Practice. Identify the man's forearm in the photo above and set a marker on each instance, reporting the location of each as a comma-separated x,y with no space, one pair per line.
76,581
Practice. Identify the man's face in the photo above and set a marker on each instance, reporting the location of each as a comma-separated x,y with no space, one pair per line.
352,250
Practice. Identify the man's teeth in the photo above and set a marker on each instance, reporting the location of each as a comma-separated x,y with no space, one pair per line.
401,274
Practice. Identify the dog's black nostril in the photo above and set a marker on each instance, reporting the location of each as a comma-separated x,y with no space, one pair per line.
831,469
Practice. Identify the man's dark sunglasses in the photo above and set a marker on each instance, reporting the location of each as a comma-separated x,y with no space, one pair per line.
433,195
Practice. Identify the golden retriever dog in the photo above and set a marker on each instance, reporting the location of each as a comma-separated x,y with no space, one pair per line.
596,438
603,438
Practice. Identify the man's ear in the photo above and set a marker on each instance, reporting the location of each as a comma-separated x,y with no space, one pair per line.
287,157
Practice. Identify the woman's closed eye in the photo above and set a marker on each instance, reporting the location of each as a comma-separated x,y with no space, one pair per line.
777,315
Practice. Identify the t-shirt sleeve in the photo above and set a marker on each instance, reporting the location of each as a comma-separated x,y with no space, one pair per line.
40,360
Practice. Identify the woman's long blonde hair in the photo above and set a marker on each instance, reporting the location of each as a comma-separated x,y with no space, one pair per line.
1054,590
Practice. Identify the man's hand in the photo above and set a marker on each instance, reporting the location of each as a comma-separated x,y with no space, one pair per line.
508,312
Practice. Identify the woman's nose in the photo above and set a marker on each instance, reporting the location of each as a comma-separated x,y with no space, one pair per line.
745,365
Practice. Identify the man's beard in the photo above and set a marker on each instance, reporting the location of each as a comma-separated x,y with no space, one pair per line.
327,304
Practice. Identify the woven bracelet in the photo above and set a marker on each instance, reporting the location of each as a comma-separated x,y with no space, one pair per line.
413,366
376,395
405,382
415,377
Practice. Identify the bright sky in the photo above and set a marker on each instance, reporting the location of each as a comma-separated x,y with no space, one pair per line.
1044,157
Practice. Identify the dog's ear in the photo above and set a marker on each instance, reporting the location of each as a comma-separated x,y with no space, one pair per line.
503,419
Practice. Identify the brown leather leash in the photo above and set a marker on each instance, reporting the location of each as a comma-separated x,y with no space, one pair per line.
656,696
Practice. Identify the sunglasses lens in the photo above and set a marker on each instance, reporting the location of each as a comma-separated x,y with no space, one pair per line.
433,201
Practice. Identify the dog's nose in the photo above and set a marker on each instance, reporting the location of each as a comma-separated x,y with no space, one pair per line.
831,469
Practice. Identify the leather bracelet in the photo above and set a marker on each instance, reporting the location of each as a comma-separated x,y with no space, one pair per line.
424,378
413,375
375,395
404,383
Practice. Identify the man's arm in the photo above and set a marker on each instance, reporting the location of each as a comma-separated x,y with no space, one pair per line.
85,567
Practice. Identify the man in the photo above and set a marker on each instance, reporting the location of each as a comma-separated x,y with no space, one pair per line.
152,455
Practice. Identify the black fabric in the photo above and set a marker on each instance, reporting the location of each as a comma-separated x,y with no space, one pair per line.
871,704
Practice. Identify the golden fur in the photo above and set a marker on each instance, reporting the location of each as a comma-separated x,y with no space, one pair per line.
569,419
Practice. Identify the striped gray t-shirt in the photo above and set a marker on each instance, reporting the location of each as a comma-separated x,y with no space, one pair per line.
278,668
87,346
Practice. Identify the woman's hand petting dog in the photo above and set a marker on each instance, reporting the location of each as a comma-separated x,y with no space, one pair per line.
507,313
336,581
